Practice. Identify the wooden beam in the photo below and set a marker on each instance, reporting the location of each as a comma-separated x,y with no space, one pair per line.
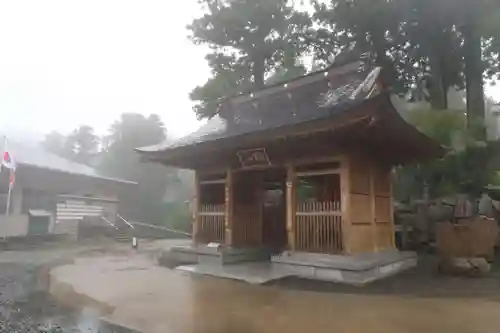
373,206
318,172
317,159
212,213
229,216
345,203
211,182
321,213
196,208
291,184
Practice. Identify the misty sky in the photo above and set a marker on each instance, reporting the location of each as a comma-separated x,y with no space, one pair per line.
66,62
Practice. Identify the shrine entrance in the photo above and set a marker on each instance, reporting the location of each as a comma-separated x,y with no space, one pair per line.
274,210
259,210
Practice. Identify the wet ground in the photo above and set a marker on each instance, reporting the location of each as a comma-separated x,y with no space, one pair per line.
25,307
159,300
422,281
154,299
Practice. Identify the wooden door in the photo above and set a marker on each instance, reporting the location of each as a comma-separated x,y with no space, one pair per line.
247,209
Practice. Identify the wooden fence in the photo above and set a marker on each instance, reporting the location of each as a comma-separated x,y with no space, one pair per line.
211,223
318,227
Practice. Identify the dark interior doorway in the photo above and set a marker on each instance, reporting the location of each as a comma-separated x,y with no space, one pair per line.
274,233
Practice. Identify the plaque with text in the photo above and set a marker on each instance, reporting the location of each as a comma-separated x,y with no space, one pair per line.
253,157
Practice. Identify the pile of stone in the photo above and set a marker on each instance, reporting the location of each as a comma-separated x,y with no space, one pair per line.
466,248
464,266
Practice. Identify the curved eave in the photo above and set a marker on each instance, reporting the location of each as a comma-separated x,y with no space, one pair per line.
418,147
390,135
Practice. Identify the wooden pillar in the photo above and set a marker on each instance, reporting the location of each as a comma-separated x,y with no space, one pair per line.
196,208
391,210
260,206
345,203
291,205
373,207
229,198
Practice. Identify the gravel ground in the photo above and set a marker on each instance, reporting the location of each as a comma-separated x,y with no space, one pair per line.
24,308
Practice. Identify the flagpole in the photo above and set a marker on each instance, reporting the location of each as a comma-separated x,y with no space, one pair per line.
1,167
7,208
11,169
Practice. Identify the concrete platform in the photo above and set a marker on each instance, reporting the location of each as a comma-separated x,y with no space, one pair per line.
215,255
252,272
357,270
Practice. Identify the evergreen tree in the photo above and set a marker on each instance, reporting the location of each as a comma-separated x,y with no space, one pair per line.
81,145
119,160
249,41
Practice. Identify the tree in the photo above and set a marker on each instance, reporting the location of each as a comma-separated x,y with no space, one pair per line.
440,43
121,161
413,40
468,167
349,30
81,145
54,142
249,40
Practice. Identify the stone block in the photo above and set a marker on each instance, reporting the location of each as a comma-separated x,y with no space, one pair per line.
326,274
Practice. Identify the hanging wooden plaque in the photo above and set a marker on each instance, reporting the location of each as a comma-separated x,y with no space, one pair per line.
253,157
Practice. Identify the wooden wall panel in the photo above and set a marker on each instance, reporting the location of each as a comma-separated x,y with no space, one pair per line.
384,227
360,209
382,180
384,235
370,210
383,209
359,176
361,238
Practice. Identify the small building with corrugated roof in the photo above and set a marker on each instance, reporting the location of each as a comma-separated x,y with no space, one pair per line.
54,195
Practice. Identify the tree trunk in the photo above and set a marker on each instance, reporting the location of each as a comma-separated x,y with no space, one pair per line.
432,36
438,89
474,75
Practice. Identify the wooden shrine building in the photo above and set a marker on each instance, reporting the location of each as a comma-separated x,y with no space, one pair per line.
300,167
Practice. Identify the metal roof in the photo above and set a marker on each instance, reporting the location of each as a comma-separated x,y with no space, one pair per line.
312,97
37,157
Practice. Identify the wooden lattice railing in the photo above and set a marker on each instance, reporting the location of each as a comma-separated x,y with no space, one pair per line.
211,221
318,227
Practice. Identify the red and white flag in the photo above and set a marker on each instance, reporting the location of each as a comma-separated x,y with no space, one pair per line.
8,162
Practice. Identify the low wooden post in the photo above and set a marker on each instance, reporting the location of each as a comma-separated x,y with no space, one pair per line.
196,208
229,220
345,203
291,184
